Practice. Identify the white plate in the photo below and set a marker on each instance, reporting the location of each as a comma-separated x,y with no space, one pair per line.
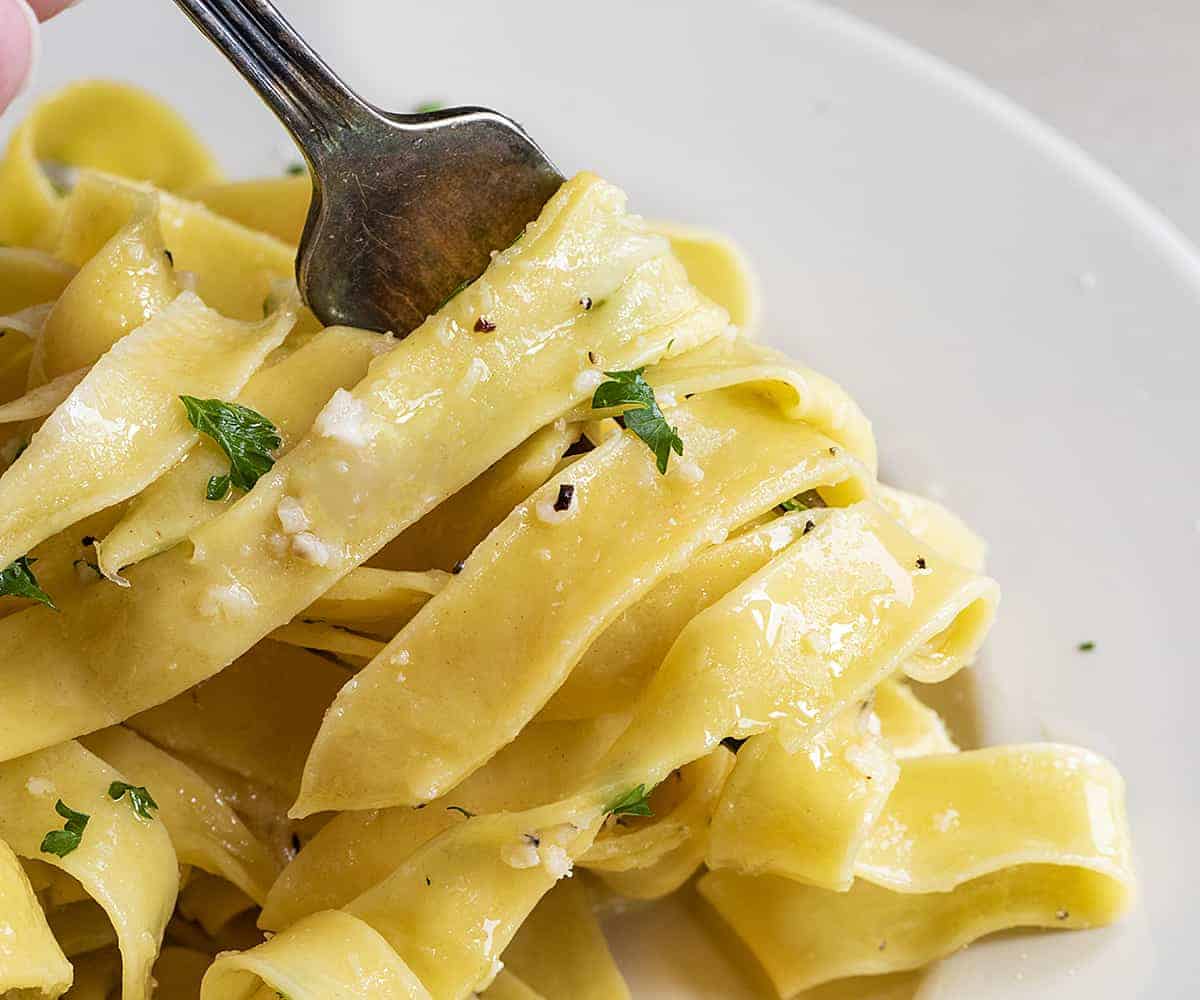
1022,329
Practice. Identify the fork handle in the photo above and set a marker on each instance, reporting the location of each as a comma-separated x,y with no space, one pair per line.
305,94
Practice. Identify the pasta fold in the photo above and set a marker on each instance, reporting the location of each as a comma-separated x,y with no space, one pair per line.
31,961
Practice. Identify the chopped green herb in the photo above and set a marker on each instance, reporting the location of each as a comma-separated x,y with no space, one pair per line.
803,501
425,107
18,581
63,842
635,802
141,800
295,169
1086,647
643,417
246,436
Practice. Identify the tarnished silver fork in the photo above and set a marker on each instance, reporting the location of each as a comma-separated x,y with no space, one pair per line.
406,208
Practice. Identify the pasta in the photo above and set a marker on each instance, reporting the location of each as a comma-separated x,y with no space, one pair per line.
348,666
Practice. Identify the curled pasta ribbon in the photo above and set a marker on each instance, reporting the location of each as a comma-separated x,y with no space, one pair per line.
719,268
404,416
390,710
124,862
97,124
30,957
1004,837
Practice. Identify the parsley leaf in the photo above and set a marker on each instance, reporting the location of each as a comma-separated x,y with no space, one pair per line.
141,800
803,501
295,169
643,417
634,802
246,436
17,580
1086,647
63,842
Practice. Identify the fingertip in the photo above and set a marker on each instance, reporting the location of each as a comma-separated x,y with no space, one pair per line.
18,36
46,9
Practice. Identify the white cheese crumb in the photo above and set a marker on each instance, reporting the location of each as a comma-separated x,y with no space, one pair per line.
946,820
477,372
560,835
547,514
291,515
545,555
522,854
231,601
689,472
309,547
867,759
189,281
665,398
555,860
345,418
39,786
587,381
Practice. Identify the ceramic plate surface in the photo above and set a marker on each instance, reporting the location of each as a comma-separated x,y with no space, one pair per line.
1024,332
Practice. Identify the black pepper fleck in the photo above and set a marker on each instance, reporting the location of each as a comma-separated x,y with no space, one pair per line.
921,562
170,257
593,357
586,302
484,325
427,880
566,493
535,841
460,809
808,526
833,451
87,540
458,567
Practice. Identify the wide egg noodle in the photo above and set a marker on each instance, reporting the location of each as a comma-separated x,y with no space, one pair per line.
43,400
123,425
30,958
560,950
29,277
205,831
375,601
390,737
125,863
290,394
81,927
212,902
719,268
99,124
274,205
418,445
357,850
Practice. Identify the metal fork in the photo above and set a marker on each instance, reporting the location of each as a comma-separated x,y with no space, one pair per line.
405,208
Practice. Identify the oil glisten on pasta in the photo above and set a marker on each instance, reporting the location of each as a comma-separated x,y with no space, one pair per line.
342,666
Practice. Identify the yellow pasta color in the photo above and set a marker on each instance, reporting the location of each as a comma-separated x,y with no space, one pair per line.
290,394
178,972
330,954
205,832
815,630
450,531
376,601
560,950
507,986
123,425
955,817
536,614
911,728
30,277
357,850
358,649
30,958
43,400
804,815
98,124
127,282
235,270
81,927
212,902
255,719
682,806
419,446
931,522
97,975
719,268
616,667
275,205
126,863
804,936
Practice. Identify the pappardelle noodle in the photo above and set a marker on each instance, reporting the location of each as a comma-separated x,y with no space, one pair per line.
342,666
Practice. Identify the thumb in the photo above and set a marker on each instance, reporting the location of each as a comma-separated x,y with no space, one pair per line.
18,39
